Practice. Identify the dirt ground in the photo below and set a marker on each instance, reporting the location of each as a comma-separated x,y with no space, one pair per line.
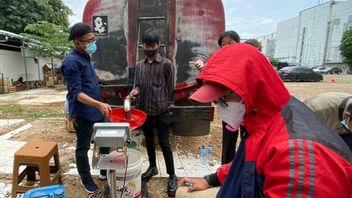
53,129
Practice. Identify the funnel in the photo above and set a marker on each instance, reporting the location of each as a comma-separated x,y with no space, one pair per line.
137,117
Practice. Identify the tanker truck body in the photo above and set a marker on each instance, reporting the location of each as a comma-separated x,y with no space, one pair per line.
188,30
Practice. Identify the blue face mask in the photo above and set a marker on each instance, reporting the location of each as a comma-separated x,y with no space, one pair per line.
345,123
91,48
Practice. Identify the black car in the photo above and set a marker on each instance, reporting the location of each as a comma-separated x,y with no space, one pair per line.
281,65
299,74
334,70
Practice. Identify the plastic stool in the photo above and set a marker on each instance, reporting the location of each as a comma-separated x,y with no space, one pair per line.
36,155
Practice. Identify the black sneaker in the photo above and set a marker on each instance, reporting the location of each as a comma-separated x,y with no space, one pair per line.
89,186
172,186
151,171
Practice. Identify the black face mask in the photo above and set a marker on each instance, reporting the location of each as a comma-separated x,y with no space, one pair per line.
150,53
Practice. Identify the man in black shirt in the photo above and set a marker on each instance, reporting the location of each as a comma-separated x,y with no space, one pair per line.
154,85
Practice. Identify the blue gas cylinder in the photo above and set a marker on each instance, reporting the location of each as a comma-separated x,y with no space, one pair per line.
55,191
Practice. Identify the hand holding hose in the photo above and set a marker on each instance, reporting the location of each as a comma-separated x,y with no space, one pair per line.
133,94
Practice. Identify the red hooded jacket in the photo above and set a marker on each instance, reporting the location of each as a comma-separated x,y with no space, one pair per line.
287,151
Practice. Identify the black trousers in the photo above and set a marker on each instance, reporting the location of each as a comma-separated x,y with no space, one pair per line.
161,123
229,140
347,137
84,131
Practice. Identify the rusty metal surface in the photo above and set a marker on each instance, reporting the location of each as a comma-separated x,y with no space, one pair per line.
189,29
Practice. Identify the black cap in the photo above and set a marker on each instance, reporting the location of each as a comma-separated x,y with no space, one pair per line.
78,30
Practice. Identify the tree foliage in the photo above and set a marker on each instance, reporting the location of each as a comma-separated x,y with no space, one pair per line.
274,62
53,38
346,47
17,14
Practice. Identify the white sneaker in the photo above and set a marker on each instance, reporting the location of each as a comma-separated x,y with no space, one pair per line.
102,177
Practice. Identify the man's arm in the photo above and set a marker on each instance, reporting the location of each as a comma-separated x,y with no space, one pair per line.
103,107
304,168
169,73
136,88
73,80
212,180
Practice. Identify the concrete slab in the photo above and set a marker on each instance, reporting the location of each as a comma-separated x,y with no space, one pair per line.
15,132
39,96
9,122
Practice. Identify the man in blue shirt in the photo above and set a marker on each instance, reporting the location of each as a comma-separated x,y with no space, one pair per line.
83,98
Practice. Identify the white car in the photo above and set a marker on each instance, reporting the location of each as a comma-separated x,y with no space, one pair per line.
318,69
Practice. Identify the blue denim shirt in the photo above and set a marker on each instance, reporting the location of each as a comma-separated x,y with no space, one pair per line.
80,77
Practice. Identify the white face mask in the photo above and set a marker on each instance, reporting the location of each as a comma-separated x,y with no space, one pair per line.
232,114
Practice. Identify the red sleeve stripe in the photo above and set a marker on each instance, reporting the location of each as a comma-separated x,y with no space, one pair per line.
292,168
311,168
300,167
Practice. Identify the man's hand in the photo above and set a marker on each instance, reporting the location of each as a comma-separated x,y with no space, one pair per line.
133,94
198,184
105,109
199,64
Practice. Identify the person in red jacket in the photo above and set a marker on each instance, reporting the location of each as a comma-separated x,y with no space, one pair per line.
287,151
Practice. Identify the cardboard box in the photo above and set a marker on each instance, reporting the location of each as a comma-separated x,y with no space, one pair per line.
20,88
6,82
49,82
69,125
12,89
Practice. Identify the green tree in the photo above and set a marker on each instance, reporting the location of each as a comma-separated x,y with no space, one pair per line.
346,47
53,39
274,62
17,14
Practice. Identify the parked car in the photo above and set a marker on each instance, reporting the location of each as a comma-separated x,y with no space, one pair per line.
333,70
323,70
328,70
285,64
299,73
317,69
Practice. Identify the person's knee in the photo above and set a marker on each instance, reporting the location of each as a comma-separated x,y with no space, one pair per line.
165,145
82,151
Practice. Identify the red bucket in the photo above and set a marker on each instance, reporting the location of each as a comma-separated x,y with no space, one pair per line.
137,117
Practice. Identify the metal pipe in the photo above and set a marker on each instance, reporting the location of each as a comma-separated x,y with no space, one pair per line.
25,64
113,183
3,83
38,69
53,70
152,18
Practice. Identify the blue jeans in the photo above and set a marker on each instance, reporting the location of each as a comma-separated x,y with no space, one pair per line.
84,131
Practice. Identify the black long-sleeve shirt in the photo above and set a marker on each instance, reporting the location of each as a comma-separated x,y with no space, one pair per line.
156,83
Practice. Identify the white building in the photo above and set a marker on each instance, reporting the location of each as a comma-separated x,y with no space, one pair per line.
268,44
13,63
313,37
